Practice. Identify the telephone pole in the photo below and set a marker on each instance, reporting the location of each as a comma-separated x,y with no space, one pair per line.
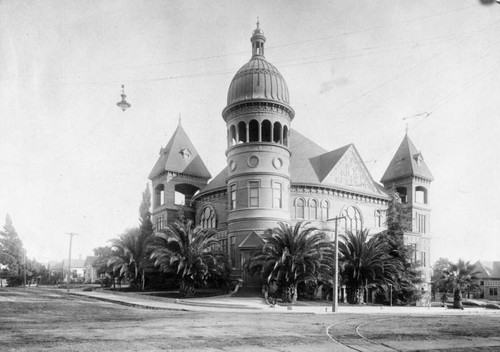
70,234
335,293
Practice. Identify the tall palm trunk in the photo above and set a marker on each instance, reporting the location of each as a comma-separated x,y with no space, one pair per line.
186,289
289,294
457,298
355,295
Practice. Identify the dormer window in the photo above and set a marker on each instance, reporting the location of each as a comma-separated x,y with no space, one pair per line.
186,153
418,158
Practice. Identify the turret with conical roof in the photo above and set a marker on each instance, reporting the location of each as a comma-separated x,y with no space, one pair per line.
409,175
177,175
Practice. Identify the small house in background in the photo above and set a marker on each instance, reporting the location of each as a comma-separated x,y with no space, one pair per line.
489,279
90,270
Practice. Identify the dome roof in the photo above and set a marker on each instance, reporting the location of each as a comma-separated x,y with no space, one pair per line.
258,79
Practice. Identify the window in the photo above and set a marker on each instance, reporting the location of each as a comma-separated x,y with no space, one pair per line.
277,195
285,135
159,223
223,245
420,223
378,218
232,136
493,291
277,133
324,210
242,132
179,198
266,131
420,195
402,194
232,254
253,131
253,193
208,219
232,192
423,258
353,221
159,195
313,209
299,208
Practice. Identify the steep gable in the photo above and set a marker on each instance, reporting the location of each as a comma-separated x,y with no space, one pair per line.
180,156
344,168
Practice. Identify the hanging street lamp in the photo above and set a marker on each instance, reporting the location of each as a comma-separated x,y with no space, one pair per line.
123,104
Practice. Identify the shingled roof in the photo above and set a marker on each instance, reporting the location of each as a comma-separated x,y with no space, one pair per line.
488,270
407,161
180,156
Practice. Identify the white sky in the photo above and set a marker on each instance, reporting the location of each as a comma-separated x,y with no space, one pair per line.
72,161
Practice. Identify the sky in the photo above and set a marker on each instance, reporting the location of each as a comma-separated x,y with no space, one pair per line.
358,72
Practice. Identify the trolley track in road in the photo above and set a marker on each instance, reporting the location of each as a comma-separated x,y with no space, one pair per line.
353,339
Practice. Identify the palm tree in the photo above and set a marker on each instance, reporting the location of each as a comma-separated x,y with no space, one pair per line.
461,275
365,261
191,252
291,255
129,258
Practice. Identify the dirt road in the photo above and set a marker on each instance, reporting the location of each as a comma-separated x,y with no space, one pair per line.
36,320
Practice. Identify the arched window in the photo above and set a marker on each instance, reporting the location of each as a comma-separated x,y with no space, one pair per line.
208,219
420,195
266,131
402,194
324,209
313,209
159,195
285,135
299,208
232,135
277,133
378,218
242,132
353,221
253,131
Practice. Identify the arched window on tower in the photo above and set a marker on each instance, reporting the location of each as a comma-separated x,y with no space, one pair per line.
242,132
313,209
277,133
299,208
208,219
353,221
266,131
420,195
232,135
159,195
285,136
324,210
402,194
378,218
253,131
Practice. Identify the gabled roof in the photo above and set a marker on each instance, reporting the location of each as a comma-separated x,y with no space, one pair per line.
303,149
407,161
488,269
341,168
252,241
180,156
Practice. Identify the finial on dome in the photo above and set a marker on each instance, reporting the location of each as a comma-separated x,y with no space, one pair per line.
258,40
179,119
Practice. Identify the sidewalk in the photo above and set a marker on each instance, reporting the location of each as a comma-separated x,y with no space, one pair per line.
258,305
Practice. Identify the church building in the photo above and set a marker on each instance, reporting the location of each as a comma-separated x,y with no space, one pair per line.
275,174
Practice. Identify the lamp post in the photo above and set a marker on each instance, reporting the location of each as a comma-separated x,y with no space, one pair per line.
335,293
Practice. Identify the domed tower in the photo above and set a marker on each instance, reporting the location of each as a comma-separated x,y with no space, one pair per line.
258,117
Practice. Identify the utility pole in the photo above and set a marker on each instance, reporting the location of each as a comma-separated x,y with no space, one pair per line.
335,293
70,234
24,252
